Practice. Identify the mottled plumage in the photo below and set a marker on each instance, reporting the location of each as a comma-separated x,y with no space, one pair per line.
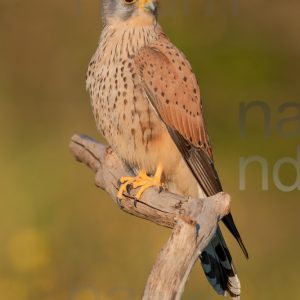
146,102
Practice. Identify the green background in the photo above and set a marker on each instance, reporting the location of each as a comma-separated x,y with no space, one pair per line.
61,237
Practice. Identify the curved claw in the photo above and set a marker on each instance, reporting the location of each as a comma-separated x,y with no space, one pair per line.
141,181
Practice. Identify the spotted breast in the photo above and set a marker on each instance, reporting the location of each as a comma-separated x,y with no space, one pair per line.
123,114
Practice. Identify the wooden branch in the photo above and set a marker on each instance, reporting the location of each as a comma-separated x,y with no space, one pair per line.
193,221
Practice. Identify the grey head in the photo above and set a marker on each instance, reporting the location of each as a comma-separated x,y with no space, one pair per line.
122,10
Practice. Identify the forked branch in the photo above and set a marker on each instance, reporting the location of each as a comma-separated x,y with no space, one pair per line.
193,221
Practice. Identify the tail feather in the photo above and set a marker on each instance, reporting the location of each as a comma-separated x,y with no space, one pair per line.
229,223
219,269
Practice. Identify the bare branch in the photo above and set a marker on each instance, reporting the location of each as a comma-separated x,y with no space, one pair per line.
194,221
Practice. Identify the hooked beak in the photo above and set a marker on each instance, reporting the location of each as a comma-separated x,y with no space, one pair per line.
150,5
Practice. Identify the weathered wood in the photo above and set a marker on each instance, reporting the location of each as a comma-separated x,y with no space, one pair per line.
194,221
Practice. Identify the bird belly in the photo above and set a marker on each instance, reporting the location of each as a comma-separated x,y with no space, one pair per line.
160,149
178,177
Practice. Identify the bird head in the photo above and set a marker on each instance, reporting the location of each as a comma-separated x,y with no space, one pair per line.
123,10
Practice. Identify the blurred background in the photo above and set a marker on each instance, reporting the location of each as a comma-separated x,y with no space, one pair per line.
61,237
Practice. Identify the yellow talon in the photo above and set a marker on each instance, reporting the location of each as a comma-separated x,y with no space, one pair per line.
142,181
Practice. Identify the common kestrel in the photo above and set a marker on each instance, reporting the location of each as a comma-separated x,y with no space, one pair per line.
146,102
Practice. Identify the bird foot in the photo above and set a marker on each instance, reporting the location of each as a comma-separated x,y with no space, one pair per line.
141,181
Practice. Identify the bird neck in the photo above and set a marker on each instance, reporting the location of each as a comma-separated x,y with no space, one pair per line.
120,38
138,20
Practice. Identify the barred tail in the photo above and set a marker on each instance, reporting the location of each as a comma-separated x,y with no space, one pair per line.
219,269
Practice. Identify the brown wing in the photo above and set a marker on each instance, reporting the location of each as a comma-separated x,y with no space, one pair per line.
173,90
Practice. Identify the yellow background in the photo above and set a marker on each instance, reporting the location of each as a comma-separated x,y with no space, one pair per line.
61,237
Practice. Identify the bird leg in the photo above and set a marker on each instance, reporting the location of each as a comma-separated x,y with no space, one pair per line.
141,181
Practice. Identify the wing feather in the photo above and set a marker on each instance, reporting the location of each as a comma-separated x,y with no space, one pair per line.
173,91
172,88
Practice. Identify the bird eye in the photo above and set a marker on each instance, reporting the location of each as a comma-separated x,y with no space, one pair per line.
129,1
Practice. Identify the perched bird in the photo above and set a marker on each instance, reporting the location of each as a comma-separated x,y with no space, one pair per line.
146,102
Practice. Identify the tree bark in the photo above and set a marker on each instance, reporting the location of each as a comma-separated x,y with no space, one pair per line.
194,221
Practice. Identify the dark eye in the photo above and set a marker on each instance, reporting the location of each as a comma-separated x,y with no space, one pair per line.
129,1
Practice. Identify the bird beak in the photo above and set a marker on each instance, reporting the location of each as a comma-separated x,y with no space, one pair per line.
149,5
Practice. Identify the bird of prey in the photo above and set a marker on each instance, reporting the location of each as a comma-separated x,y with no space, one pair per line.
146,102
